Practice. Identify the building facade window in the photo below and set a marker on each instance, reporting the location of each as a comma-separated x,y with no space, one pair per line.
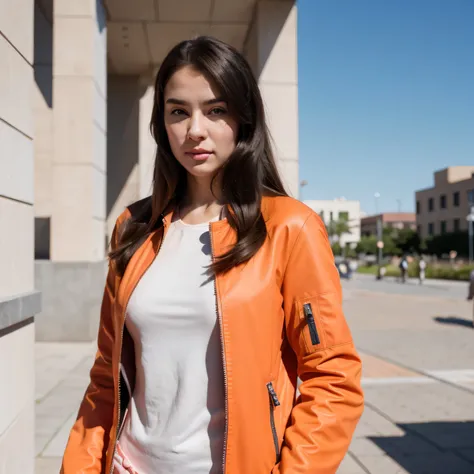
430,229
418,229
456,225
418,207
331,218
430,204
456,199
343,216
442,201
470,197
443,227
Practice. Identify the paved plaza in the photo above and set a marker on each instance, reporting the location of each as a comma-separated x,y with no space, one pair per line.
417,345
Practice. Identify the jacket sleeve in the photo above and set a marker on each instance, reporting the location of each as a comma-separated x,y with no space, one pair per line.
89,437
331,400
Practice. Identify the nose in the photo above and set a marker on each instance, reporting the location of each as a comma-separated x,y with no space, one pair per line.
197,129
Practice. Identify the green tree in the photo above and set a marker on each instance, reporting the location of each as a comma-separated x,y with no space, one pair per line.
336,248
444,243
408,240
337,228
390,246
349,252
367,245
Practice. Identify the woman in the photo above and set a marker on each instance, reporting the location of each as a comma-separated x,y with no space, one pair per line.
221,292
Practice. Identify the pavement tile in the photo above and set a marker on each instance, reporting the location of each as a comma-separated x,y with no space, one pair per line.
365,447
467,454
446,435
401,446
47,465
48,424
374,424
57,406
57,444
375,367
383,465
350,466
40,443
442,463
412,403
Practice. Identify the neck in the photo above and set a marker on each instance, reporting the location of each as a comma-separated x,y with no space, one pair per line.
200,203
199,193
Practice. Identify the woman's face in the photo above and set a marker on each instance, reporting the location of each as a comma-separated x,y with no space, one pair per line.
201,131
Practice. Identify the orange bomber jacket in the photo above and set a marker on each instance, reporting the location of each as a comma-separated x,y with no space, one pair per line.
280,318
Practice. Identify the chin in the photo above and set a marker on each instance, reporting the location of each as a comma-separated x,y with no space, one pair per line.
201,171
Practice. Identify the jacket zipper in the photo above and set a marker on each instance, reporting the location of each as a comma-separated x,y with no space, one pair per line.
219,316
120,355
308,312
274,402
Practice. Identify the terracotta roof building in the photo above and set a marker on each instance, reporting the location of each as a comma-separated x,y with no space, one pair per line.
395,220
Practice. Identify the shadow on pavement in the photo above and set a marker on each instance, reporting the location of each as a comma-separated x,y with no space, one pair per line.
432,447
456,320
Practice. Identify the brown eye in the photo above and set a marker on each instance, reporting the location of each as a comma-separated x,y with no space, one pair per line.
218,111
177,112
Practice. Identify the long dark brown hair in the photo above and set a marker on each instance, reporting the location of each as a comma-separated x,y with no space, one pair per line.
248,174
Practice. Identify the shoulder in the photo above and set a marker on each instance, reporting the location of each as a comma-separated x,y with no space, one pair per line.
285,211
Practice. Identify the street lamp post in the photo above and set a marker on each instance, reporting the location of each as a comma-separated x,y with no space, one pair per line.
303,183
379,237
399,205
470,223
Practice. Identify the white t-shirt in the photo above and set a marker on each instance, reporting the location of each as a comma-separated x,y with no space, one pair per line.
176,418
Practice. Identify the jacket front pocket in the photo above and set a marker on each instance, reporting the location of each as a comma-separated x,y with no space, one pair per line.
274,402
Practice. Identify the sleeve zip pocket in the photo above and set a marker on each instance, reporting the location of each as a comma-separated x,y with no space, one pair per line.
313,332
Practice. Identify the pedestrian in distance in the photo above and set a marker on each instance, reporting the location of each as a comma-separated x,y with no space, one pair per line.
221,293
403,269
470,294
421,270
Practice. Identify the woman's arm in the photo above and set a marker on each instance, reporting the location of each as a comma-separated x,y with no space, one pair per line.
331,401
89,437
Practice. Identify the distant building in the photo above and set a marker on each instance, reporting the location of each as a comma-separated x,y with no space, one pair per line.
444,207
340,208
394,220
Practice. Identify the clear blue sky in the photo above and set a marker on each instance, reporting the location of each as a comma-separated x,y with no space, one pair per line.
386,96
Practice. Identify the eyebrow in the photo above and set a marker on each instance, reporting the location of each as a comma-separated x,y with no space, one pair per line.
174,101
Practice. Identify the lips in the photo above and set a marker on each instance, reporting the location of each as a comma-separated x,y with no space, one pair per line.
199,155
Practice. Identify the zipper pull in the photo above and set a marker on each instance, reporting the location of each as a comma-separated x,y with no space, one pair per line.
273,395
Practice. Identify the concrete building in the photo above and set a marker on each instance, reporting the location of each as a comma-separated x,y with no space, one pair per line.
445,206
394,220
340,208
75,101
18,301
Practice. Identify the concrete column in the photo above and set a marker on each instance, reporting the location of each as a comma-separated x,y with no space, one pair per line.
79,137
271,49
43,125
73,181
146,143
130,146
18,303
